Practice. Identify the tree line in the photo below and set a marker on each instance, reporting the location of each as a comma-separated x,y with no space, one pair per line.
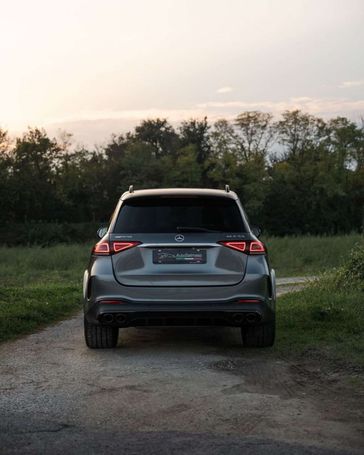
296,175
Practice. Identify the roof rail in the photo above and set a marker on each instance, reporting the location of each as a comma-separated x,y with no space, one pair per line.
227,188
131,189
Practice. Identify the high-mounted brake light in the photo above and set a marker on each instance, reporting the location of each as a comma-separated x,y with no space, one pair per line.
105,248
248,247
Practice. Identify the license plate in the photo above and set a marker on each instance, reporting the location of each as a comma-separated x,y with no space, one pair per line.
179,256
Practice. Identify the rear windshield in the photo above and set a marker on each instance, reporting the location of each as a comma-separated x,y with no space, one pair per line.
179,214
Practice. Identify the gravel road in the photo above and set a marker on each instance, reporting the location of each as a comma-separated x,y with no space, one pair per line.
170,390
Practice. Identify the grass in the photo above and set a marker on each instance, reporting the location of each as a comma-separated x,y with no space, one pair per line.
327,317
309,255
319,319
42,285
27,266
39,286
25,309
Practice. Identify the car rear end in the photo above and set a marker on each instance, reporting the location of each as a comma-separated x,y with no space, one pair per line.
179,257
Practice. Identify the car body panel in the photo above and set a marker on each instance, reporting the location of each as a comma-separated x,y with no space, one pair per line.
151,291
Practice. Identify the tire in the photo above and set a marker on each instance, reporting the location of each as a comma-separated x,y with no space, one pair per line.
260,336
100,337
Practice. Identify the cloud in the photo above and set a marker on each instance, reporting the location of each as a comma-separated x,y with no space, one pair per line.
316,106
349,84
226,89
96,126
129,114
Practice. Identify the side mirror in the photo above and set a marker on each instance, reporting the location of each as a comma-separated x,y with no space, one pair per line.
101,232
256,231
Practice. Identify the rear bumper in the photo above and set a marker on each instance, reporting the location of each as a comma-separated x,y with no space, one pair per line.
133,314
180,305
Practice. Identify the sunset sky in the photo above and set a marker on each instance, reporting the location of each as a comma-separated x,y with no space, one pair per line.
99,66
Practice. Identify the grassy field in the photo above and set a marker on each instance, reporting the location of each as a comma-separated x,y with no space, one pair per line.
309,255
41,285
322,321
327,317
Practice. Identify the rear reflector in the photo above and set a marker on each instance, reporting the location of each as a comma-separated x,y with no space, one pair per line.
248,301
248,247
104,248
110,302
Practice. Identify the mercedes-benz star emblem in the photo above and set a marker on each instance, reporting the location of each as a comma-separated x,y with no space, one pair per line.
179,238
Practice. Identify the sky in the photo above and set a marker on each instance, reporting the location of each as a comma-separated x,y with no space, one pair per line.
97,67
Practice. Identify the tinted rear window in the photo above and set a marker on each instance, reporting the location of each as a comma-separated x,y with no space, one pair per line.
179,214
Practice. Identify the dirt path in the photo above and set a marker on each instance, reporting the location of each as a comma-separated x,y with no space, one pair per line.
171,390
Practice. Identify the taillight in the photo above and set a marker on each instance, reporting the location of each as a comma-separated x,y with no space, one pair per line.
122,246
101,249
248,247
256,247
106,248
240,246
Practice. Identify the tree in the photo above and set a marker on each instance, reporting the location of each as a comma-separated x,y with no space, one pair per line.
300,133
223,139
6,191
159,134
196,132
254,134
34,166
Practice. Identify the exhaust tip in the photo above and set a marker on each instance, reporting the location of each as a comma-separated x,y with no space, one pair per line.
121,318
238,318
107,318
252,318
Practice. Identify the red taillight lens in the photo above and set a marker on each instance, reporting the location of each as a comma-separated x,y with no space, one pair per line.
101,248
248,247
121,246
256,247
240,246
105,248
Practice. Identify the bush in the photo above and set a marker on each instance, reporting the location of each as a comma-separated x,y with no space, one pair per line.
351,274
45,234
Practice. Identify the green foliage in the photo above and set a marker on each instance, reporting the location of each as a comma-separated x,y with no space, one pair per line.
45,234
313,185
39,286
22,310
322,320
309,255
31,266
351,274
328,315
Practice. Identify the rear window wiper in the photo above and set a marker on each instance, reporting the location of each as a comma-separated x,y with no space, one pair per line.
195,229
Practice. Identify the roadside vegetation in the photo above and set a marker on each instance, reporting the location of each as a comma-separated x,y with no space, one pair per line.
326,318
39,286
42,285
25,309
295,175
309,255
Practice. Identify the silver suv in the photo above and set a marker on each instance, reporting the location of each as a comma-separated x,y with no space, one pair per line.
179,257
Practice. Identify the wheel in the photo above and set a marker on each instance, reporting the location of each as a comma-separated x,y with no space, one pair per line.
98,336
259,336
